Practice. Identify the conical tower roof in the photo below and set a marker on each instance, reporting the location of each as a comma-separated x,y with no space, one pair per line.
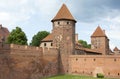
63,14
98,33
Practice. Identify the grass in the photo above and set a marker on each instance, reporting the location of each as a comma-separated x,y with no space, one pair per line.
74,77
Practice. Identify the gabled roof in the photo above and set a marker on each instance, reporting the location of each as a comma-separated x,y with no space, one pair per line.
63,13
116,49
98,33
92,51
48,38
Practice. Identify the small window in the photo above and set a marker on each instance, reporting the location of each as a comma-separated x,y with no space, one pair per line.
51,44
76,59
94,59
84,59
68,22
91,73
58,22
44,44
75,71
83,71
67,70
109,73
114,59
118,74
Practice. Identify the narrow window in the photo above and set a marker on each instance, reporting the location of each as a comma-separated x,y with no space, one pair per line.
76,59
83,72
58,22
94,59
91,72
118,74
84,59
67,70
44,44
51,44
68,23
75,71
114,59
109,73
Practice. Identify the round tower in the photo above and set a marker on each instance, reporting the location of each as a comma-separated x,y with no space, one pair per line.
64,36
64,31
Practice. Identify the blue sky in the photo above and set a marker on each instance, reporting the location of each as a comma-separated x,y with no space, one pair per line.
36,15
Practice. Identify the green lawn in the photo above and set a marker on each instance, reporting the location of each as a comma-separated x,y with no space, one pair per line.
74,77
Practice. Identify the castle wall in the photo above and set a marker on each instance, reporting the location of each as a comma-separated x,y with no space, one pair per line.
26,62
93,64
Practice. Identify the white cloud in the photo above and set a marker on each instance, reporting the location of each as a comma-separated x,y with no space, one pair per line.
89,14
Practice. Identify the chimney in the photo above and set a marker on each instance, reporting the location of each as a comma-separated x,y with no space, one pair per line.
0,26
76,37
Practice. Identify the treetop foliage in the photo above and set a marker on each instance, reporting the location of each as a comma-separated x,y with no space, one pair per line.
84,44
36,40
17,36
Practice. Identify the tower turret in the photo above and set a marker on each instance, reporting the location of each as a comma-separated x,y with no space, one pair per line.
64,35
99,41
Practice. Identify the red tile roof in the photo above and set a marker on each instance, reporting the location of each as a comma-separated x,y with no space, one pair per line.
48,38
98,32
87,50
63,13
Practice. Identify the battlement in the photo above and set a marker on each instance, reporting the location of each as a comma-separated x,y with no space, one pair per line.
25,47
4,46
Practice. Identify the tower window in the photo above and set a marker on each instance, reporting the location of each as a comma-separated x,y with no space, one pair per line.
44,44
68,22
58,22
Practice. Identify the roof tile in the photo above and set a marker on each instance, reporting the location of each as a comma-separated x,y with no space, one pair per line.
63,13
98,32
48,38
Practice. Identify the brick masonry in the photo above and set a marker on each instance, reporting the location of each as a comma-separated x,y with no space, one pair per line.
93,64
26,62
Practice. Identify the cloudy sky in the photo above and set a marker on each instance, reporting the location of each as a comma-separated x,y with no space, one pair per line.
35,15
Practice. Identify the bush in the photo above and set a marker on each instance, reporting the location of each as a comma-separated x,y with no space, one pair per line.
100,75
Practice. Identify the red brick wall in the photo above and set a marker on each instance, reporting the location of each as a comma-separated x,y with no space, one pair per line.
93,64
27,62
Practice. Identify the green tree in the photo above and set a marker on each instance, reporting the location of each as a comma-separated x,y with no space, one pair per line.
17,36
36,40
84,44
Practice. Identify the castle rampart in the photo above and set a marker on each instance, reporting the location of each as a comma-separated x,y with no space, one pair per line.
93,64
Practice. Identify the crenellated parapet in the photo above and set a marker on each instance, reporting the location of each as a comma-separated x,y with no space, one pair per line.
25,47
26,51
